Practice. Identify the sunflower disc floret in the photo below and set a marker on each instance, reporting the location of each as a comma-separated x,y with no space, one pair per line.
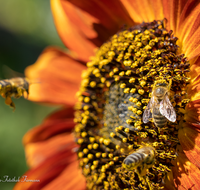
114,93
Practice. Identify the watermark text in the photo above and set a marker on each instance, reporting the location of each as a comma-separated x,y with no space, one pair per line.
15,179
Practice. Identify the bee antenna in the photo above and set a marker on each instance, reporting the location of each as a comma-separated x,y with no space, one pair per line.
35,82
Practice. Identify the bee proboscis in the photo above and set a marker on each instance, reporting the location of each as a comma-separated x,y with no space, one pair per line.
159,107
140,160
14,87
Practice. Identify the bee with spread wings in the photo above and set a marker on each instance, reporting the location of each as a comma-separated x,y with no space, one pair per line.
14,87
159,107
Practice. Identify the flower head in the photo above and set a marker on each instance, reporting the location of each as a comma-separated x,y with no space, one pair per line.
137,114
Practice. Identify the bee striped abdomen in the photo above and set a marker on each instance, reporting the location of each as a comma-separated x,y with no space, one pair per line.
4,84
159,120
140,160
134,160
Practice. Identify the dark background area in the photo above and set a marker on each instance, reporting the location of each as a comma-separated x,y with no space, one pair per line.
26,28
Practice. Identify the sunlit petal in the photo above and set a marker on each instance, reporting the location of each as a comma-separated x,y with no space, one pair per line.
84,25
49,82
72,38
186,175
188,29
172,11
145,11
190,141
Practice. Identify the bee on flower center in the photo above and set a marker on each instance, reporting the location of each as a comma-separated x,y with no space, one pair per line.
141,160
159,107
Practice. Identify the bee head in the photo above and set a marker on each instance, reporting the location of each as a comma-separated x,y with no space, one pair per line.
161,82
160,88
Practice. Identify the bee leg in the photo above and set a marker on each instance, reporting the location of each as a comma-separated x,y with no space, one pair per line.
25,93
3,95
149,183
145,181
8,101
141,174
19,92
141,170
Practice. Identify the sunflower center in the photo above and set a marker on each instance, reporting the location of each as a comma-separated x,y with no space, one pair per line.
131,103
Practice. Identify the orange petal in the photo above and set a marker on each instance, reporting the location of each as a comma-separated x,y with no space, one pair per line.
72,38
144,11
169,182
38,152
186,175
194,68
68,180
194,86
59,77
57,123
192,114
53,169
84,25
172,11
111,14
189,138
188,29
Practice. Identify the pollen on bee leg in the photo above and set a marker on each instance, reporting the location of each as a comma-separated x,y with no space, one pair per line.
8,101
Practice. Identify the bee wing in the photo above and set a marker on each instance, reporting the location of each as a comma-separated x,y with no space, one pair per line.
147,115
167,110
9,73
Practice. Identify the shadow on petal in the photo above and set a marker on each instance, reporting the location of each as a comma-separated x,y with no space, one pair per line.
52,169
71,178
192,112
189,138
186,175
57,123
39,152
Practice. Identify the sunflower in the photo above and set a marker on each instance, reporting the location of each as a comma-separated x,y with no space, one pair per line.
129,51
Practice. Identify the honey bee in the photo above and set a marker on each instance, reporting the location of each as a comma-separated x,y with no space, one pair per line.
159,107
14,87
140,160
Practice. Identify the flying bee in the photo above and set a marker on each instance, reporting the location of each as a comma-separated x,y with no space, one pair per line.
14,87
140,160
159,107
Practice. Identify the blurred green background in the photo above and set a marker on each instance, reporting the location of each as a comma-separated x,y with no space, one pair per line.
26,28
